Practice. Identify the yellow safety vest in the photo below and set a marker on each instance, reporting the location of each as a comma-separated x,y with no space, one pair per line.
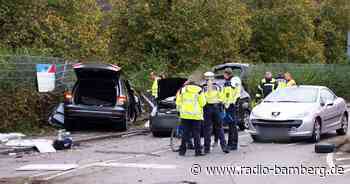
229,95
190,103
212,96
155,88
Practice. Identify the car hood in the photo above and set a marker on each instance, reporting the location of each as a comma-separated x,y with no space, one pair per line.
283,110
168,87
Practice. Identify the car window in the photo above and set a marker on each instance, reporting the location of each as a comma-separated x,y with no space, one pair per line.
294,94
326,95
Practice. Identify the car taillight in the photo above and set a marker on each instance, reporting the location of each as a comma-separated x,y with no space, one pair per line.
121,100
68,97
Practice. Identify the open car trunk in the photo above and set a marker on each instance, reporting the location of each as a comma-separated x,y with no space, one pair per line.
96,85
167,89
93,92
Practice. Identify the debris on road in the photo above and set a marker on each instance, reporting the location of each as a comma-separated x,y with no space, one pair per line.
43,145
63,141
325,148
137,165
47,167
57,116
10,136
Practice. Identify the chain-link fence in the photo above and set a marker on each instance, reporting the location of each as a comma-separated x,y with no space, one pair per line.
21,71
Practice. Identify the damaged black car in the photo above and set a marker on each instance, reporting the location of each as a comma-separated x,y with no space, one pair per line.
101,94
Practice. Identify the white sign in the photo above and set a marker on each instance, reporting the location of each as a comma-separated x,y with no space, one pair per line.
46,77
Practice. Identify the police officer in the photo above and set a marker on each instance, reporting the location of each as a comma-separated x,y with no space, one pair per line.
212,114
154,89
267,85
190,104
229,96
281,81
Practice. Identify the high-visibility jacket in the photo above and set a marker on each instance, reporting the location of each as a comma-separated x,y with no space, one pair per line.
212,96
291,83
229,94
190,102
155,88
267,86
282,83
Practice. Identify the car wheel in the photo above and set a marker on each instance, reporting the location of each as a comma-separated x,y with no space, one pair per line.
245,120
120,125
132,117
344,126
316,133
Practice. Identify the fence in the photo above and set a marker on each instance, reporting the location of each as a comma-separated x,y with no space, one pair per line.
20,71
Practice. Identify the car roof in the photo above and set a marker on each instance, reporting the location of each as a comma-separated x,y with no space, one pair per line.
238,65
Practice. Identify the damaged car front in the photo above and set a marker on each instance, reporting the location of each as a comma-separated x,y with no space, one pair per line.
164,115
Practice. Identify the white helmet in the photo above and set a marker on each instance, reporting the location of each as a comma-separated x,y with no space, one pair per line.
209,75
236,82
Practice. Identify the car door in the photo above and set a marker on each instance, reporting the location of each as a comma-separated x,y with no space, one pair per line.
330,111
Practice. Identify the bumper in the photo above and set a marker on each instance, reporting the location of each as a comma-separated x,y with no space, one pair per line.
164,122
281,130
88,112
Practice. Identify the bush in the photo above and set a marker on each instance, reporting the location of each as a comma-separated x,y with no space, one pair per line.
333,76
25,110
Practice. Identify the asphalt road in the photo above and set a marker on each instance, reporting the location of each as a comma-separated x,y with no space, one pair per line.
146,159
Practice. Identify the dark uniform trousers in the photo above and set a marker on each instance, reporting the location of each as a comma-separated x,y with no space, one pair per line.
212,119
232,131
191,128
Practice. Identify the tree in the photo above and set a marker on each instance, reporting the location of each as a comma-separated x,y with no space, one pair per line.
181,33
284,32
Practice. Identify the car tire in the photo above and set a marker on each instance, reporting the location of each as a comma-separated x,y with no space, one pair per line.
120,125
316,133
132,116
124,126
325,148
245,120
344,127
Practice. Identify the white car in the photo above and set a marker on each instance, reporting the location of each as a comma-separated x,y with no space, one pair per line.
299,112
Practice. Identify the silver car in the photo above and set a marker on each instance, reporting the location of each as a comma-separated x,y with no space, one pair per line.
299,112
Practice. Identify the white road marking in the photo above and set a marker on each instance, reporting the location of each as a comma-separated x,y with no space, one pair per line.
92,165
137,165
330,161
342,159
345,166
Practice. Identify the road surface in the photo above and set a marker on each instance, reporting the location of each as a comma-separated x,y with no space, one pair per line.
146,159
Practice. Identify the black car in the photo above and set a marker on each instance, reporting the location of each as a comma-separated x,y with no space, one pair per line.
241,70
100,94
164,116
